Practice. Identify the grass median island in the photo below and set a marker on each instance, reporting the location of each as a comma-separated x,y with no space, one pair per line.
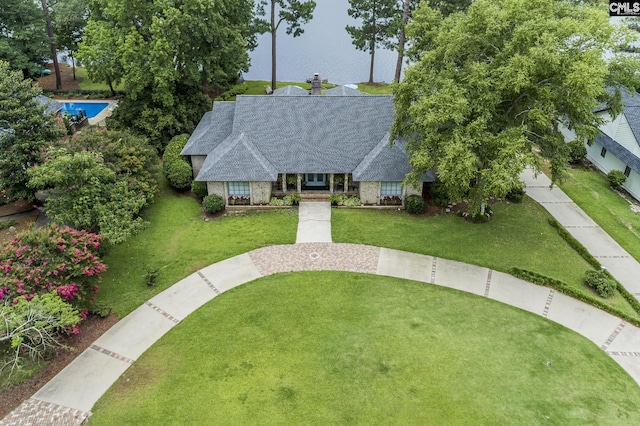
341,348
179,241
519,236
591,192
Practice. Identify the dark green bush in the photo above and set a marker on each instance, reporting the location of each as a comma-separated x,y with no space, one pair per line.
600,282
577,151
176,168
212,203
516,195
199,188
414,204
616,178
438,194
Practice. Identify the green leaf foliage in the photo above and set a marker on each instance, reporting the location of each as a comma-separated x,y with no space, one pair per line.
616,178
31,130
23,38
176,168
30,329
99,181
491,83
166,58
212,203
414,204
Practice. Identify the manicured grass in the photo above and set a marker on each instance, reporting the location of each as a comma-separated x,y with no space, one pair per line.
179,242
517,236
590,190
87,84
337,348
376,88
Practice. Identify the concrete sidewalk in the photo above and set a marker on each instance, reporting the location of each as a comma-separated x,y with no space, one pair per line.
69,397
604,248
314,222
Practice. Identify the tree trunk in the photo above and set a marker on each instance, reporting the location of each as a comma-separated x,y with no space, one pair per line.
373,56
73,64
54,53
406,9
273,45
113,92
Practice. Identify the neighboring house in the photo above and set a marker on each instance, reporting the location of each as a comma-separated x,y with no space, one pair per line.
617,147
263,146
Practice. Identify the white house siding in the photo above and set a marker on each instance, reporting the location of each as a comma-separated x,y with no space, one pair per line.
196,163
611,162
217,188
369,192
260,192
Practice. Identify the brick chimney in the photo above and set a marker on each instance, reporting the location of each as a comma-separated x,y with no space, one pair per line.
316,85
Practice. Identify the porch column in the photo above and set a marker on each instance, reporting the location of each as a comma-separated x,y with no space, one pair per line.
299,183
331,183
284,182
346,182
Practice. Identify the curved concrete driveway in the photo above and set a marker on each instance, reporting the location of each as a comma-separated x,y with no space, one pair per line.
69,397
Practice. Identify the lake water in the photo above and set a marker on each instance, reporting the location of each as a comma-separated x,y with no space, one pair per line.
325,48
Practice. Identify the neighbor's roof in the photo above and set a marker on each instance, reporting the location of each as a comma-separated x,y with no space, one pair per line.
214,127
631,110
290,91
619,151
306,134
343,91
53,106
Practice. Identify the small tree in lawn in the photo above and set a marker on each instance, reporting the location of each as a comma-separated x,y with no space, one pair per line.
293,13
379,26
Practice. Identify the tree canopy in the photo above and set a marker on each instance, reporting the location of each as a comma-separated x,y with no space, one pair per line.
99,181
492,83
31,130
166,53
23,38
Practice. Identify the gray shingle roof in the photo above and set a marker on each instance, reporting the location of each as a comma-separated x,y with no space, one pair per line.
303,134
619,151
53,106
214,127
631,110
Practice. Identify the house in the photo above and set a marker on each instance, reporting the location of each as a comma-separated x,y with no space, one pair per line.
617,147
293,142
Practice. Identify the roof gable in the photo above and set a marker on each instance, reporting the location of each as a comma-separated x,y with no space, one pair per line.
619,151
631,110
213,128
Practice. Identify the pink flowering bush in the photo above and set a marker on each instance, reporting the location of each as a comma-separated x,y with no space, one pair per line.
53,258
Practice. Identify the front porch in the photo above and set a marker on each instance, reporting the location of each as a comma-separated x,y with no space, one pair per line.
314,185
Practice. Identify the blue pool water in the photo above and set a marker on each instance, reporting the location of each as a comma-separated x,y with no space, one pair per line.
91,109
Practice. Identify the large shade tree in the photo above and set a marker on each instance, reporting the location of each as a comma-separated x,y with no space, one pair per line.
492,84
69,21
166,53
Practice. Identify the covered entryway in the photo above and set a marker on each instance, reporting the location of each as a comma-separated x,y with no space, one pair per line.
315,181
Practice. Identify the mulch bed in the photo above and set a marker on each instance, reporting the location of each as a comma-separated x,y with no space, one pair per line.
48,82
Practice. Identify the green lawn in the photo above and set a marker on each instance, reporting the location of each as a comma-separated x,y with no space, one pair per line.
87,84
179,242
517,236
590,190
338,348
376,88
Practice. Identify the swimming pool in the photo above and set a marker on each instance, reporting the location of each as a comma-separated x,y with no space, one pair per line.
91,109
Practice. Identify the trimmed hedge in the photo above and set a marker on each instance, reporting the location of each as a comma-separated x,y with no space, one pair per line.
176,168
616,178
602,284
414,204
212,203
199,188
582,251
562,287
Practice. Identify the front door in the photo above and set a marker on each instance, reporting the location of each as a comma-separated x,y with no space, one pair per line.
315,179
